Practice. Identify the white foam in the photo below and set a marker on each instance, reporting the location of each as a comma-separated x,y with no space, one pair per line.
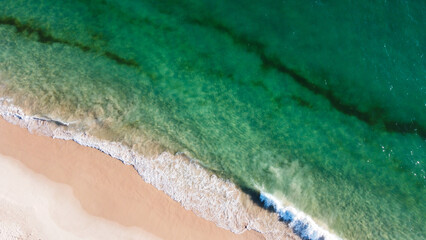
303,225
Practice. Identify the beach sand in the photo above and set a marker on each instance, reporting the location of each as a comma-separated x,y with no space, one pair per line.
57,189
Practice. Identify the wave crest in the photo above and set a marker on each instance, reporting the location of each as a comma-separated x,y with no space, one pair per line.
300,223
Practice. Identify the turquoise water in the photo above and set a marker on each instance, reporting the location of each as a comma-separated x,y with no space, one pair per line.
320,103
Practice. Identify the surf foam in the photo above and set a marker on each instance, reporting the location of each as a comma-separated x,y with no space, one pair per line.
301,224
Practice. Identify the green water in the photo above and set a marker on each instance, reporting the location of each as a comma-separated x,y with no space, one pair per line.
321,103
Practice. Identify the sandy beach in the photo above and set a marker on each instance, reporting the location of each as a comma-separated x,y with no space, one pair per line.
53,189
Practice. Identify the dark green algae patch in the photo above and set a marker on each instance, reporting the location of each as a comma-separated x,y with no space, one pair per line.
376,116
42,36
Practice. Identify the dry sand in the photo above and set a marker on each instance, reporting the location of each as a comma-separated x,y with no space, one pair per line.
34,207
55,188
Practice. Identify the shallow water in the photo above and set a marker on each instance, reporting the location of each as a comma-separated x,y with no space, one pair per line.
320,104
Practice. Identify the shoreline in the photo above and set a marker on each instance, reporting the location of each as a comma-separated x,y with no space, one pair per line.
181,178
107,188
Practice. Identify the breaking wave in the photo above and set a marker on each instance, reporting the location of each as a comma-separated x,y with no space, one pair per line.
301,224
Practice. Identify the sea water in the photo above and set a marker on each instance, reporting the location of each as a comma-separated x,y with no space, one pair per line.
318,105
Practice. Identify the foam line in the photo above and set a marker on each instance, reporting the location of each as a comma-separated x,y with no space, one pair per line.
299,222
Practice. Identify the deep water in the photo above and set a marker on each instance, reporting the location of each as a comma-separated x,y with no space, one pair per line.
320,103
